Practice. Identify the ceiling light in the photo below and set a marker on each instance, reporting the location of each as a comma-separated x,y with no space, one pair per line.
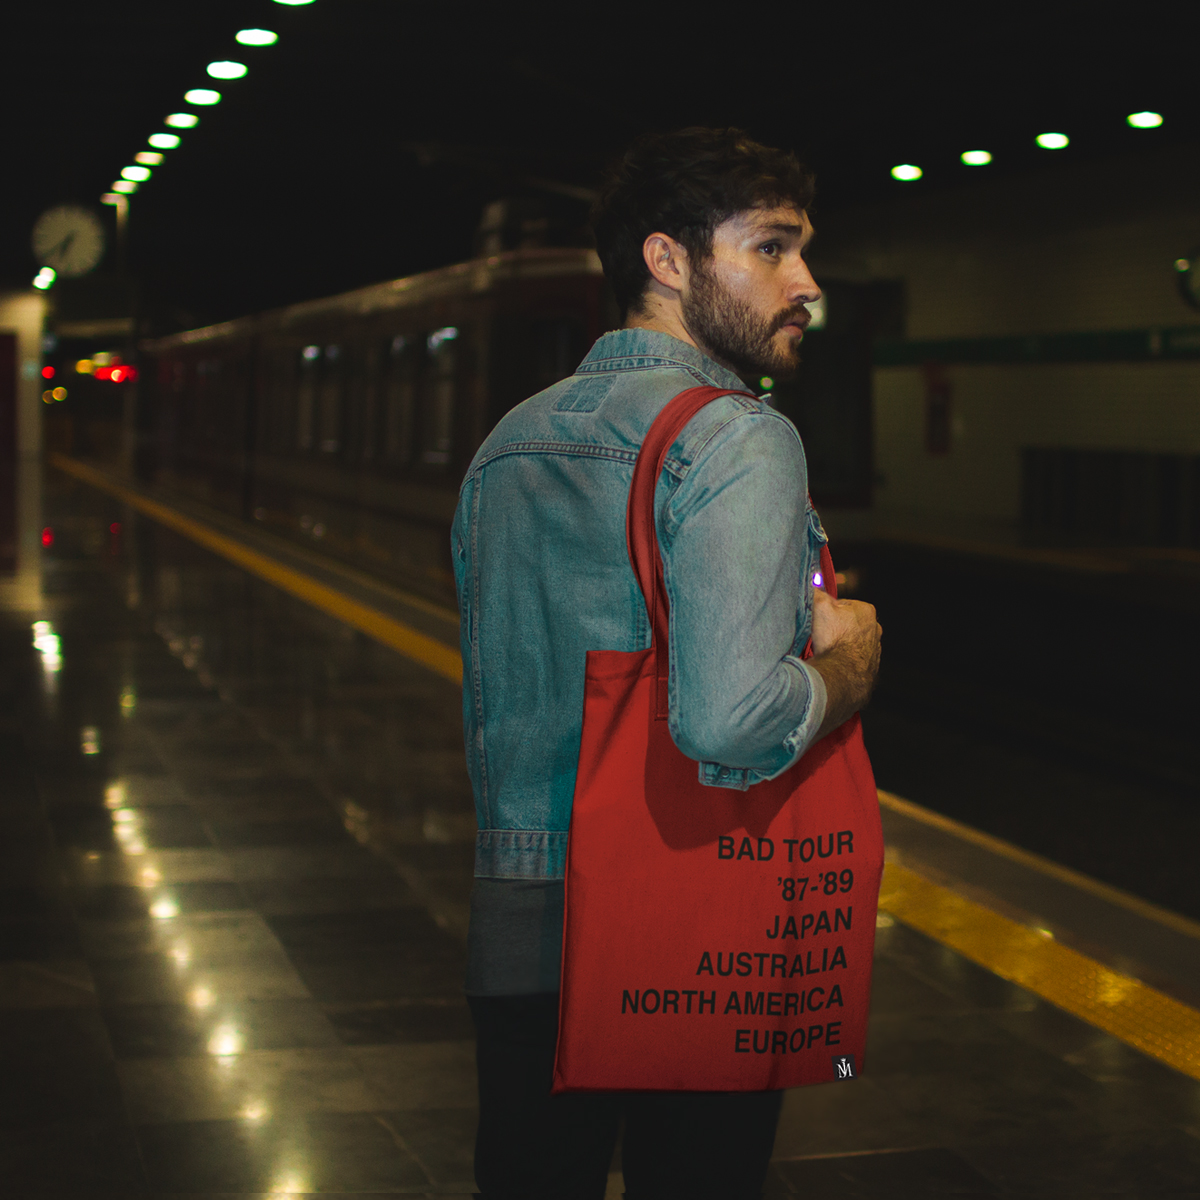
137,174
976,158
183,120
906,172
151,158
226,70
257,37
202,96
125,186
164,141
108,198
1145,120
1052,141
294,3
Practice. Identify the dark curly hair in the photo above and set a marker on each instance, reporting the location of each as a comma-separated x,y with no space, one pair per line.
685,184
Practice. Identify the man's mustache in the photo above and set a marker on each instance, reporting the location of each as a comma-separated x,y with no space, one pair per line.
797,316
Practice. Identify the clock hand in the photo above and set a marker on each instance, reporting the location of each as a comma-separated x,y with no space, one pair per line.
63,247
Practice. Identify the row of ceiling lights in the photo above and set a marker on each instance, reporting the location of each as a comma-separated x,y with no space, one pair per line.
144,162
910,172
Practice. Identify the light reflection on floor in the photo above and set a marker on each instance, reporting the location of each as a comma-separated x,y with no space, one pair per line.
237,860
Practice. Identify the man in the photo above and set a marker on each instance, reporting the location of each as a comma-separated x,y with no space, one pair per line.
701,235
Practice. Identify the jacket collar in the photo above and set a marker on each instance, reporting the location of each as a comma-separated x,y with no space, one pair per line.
624,349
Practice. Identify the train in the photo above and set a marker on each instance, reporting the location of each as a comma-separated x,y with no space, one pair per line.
348,422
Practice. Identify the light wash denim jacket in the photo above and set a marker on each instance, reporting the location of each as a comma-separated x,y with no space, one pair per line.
543,576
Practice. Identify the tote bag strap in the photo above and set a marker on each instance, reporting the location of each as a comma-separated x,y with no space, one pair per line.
640,533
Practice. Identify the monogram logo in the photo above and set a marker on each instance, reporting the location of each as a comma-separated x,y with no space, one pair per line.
843,1067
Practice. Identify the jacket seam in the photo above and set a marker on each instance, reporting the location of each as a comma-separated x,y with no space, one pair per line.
476,660
604,365
681,472
566,448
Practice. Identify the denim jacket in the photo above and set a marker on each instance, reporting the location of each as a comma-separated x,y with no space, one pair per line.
543,576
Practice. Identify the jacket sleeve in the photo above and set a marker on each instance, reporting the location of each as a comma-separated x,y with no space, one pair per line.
735,547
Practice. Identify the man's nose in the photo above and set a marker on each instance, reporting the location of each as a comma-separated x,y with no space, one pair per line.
803,288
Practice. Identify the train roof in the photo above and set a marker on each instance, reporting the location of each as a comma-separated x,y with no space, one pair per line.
475,277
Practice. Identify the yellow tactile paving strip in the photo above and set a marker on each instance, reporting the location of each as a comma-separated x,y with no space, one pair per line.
439,657
1128,1009
1138,1015
1075,879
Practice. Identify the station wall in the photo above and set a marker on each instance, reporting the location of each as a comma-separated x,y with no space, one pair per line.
1080,250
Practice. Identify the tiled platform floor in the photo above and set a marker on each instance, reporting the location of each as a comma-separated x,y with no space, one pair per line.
235,854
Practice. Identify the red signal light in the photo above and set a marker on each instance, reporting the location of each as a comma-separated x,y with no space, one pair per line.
47,372
115,527
116,374
47,536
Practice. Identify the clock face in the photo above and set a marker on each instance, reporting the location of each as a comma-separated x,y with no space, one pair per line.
69,239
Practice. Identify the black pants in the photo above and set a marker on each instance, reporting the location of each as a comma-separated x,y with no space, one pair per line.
533,1146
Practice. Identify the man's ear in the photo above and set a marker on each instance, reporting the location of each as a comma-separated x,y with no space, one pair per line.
666,260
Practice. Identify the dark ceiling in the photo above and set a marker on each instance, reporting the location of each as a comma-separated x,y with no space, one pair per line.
364,144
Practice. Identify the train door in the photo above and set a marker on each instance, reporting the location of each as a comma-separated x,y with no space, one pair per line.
830,399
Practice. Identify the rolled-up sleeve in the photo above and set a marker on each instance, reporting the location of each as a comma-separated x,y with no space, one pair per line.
735,557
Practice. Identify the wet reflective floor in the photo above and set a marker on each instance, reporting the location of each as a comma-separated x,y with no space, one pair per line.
236,850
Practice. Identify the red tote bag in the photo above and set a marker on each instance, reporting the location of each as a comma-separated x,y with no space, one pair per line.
714,940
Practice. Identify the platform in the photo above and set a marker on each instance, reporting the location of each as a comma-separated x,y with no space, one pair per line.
237,847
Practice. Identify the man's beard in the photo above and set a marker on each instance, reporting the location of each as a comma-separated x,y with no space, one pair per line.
730,330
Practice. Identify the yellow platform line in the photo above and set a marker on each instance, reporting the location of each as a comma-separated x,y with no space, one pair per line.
1130,1010
1075,879
421,648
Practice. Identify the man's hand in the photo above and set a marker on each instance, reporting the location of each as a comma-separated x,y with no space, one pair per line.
845,639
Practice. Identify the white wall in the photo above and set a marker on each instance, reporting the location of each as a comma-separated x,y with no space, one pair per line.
1153,407
1087,248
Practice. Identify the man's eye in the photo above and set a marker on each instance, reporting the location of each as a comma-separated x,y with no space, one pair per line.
772,248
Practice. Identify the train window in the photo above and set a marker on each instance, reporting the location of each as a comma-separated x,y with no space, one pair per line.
399,387
329,411
437,426
306,396
361,396
280,433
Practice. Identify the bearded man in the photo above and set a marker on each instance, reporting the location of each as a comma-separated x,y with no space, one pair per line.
702,236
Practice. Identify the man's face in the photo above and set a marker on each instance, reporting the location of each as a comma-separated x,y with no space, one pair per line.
745,306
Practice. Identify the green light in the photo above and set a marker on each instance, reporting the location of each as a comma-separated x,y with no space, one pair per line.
1052,141
202,96
906,172
1145,120
182,121
125,186
257,37
976,158
150,158
163,141
766,383
226,70
137,174
1182,265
